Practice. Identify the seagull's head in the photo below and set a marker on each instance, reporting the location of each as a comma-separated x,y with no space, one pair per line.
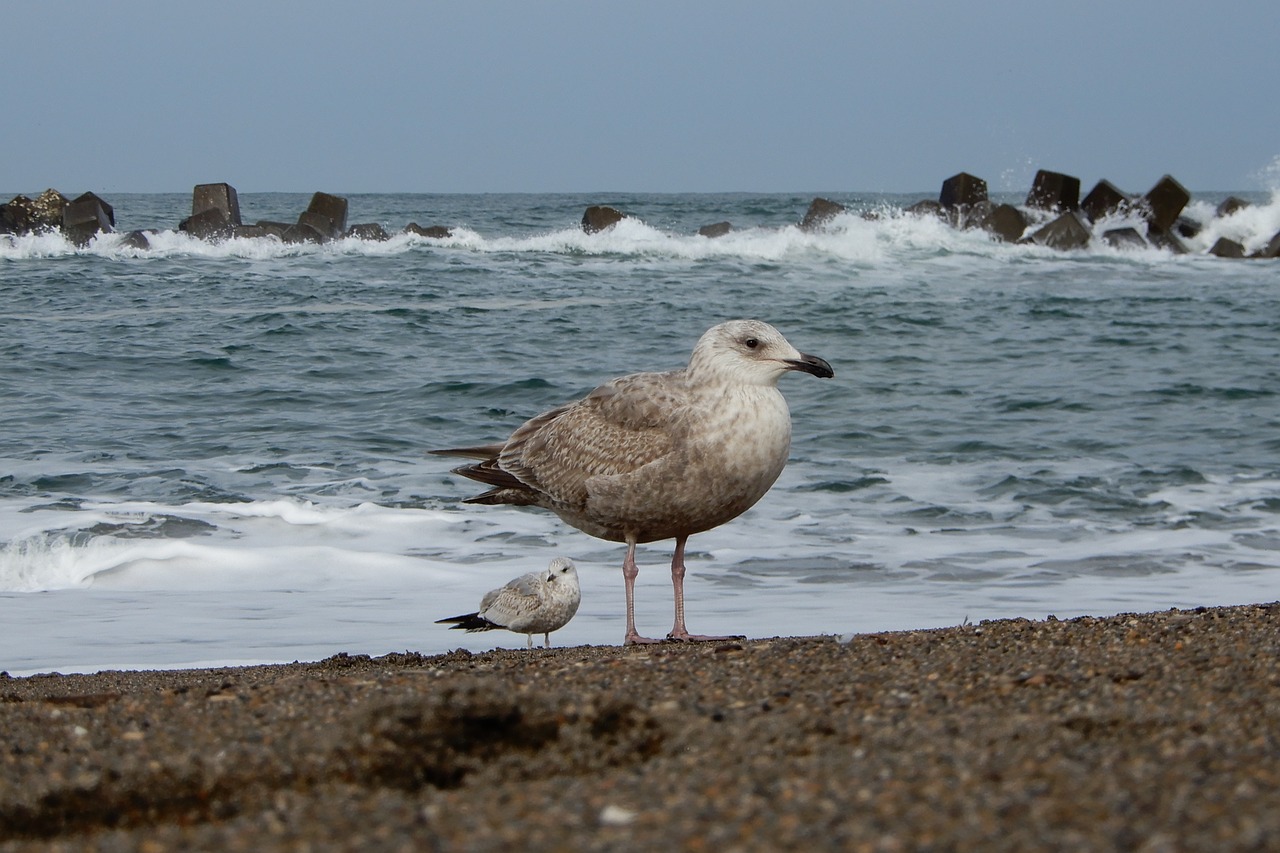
750,352
562,570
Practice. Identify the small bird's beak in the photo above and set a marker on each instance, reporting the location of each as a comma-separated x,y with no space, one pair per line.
810,364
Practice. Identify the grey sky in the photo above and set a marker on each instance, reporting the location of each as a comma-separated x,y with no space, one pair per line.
639,96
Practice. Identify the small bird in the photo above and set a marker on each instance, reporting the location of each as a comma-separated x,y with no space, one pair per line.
654,456
536,603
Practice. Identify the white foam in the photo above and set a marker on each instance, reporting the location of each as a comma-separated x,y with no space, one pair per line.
278,579
1252,225
33,246
884,234
40,563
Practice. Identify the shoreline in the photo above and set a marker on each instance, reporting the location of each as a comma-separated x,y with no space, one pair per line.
1150,731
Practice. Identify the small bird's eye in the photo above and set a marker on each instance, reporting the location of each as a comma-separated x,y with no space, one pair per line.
751,343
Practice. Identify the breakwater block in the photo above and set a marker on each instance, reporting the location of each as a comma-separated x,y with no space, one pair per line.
820,212
1104,200
1271,250
716,229
328,207
325,227
1065,232
303,231
598,217
208,224
22,214
274,229
106,208
1164,201
964,200
1229,205
1166,240
84,218
926,207
221,197
136,240
435,232
1186,227
1054,191
47,210
1227,248
16,215
1006,222
1124,238
962,191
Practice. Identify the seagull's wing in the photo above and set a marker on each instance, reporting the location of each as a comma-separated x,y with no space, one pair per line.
514,602
618,428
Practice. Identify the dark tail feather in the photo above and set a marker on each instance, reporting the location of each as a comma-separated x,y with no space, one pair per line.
490,474
469,622
504,497
506,489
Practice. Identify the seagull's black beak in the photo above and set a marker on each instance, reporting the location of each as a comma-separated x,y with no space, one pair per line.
811,364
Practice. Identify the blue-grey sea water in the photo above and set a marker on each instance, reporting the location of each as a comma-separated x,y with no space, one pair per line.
217,453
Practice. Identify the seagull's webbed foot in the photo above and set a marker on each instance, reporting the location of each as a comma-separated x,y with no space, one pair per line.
634,639
686,637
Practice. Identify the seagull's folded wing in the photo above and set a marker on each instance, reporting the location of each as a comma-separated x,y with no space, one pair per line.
513,604
618,428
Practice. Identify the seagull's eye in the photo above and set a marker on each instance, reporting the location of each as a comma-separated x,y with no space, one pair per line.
752,343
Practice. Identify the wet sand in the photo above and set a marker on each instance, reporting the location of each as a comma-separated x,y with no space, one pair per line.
1137,732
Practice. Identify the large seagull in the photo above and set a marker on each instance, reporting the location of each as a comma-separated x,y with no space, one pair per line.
654,456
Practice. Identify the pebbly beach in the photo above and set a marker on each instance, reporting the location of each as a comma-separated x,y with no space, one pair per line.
1156,731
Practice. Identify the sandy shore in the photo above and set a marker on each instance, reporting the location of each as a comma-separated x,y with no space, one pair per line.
1138,732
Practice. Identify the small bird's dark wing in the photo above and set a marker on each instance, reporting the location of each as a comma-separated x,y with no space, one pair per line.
469,622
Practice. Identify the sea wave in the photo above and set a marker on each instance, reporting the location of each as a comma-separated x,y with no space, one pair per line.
868,232
220,456
899,516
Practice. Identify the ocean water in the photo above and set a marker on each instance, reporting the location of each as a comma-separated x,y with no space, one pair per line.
216,454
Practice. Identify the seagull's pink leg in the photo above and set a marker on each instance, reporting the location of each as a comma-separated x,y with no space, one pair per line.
629,572
679,632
